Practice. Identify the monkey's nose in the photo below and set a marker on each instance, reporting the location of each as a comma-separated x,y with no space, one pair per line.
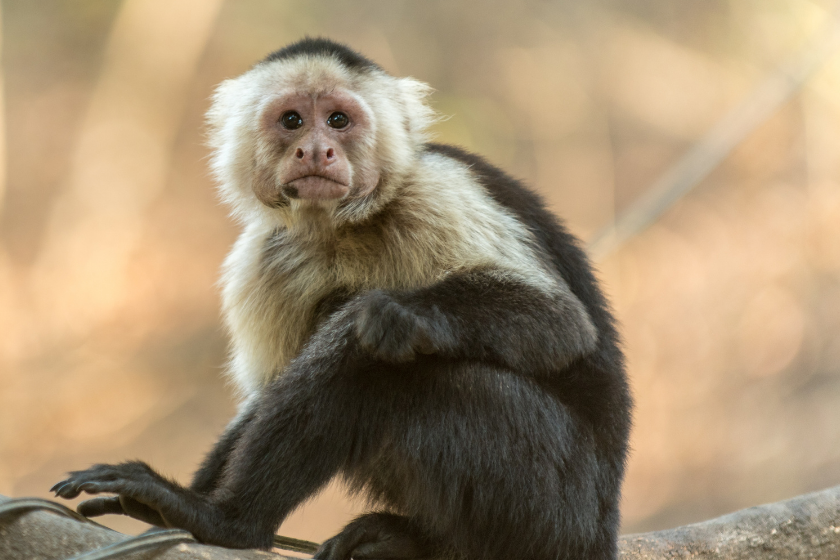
317,155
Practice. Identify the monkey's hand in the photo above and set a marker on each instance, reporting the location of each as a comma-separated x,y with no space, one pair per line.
139,489
121,505
394,332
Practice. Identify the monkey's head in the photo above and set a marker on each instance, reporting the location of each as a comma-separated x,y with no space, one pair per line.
315,128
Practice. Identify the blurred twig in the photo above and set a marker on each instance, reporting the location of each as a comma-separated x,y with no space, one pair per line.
724,137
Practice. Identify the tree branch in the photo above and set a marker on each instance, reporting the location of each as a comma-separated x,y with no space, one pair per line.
807,526
803,527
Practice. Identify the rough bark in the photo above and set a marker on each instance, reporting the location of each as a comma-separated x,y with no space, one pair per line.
807,526
44,535
804,527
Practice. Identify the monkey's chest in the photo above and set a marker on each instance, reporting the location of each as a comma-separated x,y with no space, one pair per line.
274,308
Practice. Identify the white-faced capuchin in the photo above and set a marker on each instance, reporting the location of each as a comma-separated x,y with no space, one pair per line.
404,316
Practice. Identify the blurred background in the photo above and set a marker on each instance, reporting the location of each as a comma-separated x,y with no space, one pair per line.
111,235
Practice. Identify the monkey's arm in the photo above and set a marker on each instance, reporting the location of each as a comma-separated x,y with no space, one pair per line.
486,315
301,433
205,480
207,477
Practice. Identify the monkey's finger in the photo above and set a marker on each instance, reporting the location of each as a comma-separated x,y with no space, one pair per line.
66,490
57,485
100,506
95,487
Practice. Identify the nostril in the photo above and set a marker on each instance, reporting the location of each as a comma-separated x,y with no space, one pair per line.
299,153
330,153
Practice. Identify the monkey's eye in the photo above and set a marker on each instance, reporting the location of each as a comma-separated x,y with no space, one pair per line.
291,120
338,120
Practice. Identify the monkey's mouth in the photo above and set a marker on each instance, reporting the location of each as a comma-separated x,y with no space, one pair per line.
315,187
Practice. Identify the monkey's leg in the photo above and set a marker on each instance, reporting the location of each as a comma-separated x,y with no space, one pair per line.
376,536
485,314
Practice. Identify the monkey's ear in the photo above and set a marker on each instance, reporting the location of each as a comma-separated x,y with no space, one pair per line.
418,112
226,98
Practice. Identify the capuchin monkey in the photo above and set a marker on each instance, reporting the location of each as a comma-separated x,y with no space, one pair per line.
404,316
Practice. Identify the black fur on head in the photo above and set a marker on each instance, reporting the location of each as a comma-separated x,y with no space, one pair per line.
324,47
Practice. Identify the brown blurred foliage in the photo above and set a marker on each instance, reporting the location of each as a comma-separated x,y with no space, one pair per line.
111,235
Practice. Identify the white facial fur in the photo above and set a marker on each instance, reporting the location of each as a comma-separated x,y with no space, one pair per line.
397,106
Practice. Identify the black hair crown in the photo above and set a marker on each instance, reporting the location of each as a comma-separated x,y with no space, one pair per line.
321,46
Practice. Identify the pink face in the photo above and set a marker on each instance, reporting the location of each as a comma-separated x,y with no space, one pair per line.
321,141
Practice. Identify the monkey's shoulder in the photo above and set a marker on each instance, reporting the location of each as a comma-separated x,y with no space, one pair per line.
511,194
548,238
520,204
